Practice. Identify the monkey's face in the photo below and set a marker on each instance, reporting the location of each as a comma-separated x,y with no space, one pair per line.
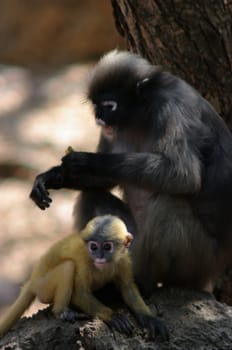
116,90
106,239
113,110
101,252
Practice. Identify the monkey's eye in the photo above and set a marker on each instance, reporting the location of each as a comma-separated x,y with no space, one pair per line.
108,247
111,105
93,246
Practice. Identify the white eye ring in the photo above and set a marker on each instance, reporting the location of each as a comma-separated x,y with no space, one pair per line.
108,246
93,246
112,104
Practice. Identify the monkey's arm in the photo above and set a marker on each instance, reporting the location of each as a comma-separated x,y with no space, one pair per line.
55,178
153,171
86,301
134,300
173,164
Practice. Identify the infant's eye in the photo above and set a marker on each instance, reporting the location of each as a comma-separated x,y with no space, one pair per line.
108,247
93,246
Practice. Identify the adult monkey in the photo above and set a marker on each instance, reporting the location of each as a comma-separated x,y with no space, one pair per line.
171,153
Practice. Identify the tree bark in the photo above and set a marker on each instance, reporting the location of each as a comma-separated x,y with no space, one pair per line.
192,39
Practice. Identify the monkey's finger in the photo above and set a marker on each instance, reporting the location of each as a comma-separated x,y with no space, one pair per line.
113,325
156,309
162,330
40,196
141,321
37,198
123,324
70,315
152,330
129,325
153,325
42,202
43,191
125,328
120,325
156,326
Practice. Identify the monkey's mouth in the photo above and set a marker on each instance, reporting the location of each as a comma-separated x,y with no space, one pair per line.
100,264
106,129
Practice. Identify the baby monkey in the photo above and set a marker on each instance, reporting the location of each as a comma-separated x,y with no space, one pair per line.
79,264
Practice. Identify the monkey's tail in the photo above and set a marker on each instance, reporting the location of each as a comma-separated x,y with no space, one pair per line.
16,310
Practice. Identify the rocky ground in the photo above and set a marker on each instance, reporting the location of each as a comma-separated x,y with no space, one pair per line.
195,321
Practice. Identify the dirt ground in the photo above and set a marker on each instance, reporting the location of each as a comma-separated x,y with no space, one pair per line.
40,116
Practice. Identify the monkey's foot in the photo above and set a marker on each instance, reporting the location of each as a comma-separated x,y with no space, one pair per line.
156,309
70,315
120,323
154,326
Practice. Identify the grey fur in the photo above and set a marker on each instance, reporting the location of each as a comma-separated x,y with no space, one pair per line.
171,154
172,244
101,226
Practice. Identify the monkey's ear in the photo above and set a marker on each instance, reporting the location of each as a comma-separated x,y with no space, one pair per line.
142,85
128,239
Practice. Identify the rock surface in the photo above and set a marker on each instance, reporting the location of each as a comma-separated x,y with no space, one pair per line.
196,321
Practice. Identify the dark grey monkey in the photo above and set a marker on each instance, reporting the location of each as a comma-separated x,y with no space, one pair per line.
171,153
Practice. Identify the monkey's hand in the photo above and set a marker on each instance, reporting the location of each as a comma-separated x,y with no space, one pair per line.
71,316
52,178
153,325
120,323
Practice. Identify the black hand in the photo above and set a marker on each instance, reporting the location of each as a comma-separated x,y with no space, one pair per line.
39,193
153,325
120,323
52,178
70,315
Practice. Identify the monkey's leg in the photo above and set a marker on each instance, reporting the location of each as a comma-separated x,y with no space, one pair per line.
99,202
86,301
56,286
142,312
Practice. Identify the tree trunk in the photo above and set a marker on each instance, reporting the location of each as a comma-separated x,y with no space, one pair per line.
192,39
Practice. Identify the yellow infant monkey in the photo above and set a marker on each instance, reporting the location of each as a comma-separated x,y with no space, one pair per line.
74,267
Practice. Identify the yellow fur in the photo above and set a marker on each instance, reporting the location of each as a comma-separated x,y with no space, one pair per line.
65,275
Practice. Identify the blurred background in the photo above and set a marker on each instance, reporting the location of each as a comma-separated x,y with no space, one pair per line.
47,49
